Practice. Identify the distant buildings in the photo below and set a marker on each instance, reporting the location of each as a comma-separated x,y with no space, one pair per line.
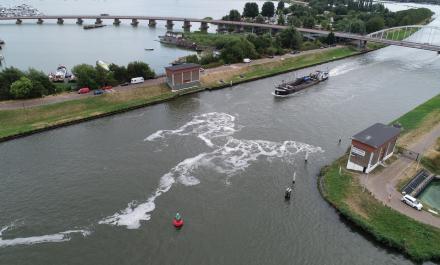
372,146
183,76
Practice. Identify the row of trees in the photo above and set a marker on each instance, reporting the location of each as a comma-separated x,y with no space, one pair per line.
95,76
251,10
16,84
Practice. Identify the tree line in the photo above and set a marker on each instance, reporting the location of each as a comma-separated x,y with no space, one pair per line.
355,16
18,84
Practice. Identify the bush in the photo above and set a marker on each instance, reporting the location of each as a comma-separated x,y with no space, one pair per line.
21,88
192,59
140,69
86,76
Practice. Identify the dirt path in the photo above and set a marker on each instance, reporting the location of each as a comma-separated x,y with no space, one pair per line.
28,103
382,184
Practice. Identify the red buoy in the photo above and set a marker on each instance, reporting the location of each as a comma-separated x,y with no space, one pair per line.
178,221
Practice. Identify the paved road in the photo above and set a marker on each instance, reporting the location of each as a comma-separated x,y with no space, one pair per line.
382,183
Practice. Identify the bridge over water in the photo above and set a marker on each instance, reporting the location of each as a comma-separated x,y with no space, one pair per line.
383,36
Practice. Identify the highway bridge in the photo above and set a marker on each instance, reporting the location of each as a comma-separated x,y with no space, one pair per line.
430,43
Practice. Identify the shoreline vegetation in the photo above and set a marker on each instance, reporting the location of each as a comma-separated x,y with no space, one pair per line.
342,190
21,122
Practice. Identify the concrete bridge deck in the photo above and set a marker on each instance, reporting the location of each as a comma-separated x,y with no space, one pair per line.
343,35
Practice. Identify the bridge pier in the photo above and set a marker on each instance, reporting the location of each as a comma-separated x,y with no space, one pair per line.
169,25
220,28
18,21
134,22
98,21
204,27
79,21
362,44
40,21
239,29
60,21
152,23
186,26
117,22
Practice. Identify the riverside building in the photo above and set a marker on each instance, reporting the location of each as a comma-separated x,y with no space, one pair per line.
372,146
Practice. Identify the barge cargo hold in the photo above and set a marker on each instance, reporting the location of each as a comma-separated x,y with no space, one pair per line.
93,26
301,83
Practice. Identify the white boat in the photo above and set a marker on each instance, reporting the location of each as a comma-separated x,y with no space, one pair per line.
103,65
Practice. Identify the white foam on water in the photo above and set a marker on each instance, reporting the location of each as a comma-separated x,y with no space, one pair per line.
58,237
228,157
206,126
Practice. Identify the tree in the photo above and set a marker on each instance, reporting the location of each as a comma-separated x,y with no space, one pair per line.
356,26
140,69
234,15
294,21
259,19
268,9
331,39
281,20
119,73
192,59
280,6
39,78
375,24
8,76
309,22
238,49
290,38
86,76
251,10
21,88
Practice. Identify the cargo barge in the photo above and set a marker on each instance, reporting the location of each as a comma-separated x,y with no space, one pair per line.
301,83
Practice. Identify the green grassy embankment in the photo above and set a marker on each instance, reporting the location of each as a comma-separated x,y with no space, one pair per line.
344,192
25,121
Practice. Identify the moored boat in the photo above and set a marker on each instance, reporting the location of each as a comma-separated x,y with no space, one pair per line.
301,83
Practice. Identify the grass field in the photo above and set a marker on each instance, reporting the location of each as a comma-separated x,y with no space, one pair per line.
344,192
280,66
24,120
399,34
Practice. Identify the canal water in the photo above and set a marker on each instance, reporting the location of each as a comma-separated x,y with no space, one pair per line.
431,195
105,191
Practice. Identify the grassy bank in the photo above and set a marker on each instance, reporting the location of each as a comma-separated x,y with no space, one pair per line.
280,66
345,193
24,121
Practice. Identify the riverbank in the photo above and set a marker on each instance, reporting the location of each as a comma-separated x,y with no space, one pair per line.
21,122
345,192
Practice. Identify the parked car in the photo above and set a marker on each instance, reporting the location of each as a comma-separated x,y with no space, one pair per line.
137,80
106,87
202,70
295,52
411,201
84,90
246,60
125,84
98,92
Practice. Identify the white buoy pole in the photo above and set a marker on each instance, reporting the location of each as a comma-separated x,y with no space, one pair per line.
294,178
307,157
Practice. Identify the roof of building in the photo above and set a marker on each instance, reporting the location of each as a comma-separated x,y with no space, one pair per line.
182,66
376,135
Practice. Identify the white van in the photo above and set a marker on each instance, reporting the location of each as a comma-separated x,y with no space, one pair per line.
137,80
246,60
